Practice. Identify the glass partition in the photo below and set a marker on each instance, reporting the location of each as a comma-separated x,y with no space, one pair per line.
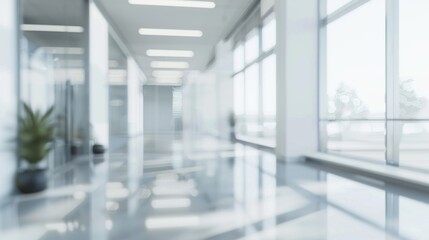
53,70
118,98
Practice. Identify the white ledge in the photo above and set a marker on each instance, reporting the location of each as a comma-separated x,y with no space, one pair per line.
385,172
258,141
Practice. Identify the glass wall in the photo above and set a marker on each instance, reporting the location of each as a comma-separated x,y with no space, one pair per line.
354,120
118,98
255,84
374,81
52,70
412,84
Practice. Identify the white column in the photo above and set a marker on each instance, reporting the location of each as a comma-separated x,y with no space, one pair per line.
297,78
98,72
8,95
135,99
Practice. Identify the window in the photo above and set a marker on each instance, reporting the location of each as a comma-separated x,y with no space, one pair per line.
356,60
252,46
255,83
239,95
333,5
238,58
412,85
269,103
355,83
269,35
252,90
375,81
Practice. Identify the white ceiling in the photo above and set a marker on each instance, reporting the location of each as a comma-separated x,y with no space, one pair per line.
215,24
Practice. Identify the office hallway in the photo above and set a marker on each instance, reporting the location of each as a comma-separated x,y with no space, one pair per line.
196,187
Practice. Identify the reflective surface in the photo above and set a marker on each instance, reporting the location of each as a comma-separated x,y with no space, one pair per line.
192,187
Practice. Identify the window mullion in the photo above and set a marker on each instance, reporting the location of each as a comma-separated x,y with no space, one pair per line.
392,83
323,97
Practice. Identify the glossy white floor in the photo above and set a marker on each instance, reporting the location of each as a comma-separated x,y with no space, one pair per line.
186,188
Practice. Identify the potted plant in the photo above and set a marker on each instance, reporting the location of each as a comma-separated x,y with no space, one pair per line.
36,133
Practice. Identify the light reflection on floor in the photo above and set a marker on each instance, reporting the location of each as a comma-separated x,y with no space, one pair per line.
202,188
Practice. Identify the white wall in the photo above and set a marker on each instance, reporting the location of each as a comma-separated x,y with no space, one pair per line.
8,96
135,98
297,77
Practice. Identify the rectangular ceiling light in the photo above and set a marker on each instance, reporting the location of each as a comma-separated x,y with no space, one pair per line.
167,74
169,53
166,81
64,50
51,28
174,3
170,32
166,64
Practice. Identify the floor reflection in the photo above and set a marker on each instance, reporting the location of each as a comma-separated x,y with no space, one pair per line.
202,188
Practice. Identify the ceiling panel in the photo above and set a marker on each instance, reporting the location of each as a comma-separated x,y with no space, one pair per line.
213,22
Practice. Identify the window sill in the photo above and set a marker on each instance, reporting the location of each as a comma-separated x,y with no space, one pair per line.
384,172
263,142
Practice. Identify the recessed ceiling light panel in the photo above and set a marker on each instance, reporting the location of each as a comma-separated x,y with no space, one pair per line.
51,28
64,50
167,74
174,3
168,81
169,64
169,53
170,32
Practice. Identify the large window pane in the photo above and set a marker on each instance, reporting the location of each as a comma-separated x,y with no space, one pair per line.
118,97
413,143
333,5
252,46
252,98
414,59
356,63
359,139
269,95
238,58
252,90
239,94
269,35
269,85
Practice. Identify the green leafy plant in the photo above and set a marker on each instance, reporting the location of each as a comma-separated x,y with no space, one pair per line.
36,134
